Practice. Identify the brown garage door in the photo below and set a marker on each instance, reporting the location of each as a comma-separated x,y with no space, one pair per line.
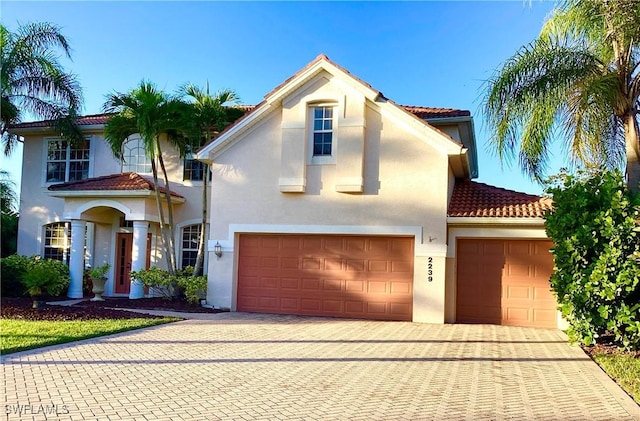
326,275
505,282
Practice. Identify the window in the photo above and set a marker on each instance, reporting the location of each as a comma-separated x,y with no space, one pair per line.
66,162
193,169
134,156
190,241
57,241
322,130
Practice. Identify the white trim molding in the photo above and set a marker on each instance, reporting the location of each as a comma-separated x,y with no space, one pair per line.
428,249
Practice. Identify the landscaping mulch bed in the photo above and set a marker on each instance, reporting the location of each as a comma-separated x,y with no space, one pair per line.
147,304
22,308
606,346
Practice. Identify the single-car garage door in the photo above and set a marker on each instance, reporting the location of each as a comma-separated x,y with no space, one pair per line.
326,275
505,282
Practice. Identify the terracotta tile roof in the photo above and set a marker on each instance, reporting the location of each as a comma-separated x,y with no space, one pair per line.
418,111
473,199
127,181
87,120
432,112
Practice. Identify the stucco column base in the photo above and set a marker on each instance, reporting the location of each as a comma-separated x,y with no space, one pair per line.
138,256
76,258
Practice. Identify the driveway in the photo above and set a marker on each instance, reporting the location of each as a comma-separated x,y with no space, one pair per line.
239,366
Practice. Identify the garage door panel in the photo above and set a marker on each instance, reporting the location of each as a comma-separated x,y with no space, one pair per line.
355,286
378,265
505,282
375,276
355,265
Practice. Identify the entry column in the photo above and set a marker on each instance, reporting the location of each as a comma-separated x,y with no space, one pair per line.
138,256
76,258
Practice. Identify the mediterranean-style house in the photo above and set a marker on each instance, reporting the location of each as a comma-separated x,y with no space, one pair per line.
327,198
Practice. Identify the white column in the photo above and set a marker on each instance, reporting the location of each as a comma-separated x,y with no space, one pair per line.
76,258
138,256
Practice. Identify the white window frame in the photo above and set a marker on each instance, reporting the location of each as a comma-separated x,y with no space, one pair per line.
180,232
322,159
67,160
126,165
188,181
88,241
66,240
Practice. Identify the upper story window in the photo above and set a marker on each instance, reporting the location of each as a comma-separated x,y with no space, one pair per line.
193,169
134,156
322,130
66,162
322,133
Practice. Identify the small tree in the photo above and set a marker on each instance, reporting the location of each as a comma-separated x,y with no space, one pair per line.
596,279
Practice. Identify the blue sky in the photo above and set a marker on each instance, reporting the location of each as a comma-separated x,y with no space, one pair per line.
431,53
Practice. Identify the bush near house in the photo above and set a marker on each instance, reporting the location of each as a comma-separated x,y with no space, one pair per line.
46,277
596,278
12,268
33,275
183,283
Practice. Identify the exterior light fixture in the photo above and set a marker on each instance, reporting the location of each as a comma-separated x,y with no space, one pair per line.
217,250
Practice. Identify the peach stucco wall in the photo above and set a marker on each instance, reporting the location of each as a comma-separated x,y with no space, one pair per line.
38,207
405,189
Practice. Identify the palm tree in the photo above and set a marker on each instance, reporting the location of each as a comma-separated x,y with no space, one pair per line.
208,113
33,81
581,76
151,113
8,207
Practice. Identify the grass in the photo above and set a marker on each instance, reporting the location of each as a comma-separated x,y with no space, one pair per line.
624,369
21,335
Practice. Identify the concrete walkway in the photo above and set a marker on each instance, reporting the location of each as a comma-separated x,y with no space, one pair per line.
238,366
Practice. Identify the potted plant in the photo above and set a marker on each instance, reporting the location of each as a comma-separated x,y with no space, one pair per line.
98,277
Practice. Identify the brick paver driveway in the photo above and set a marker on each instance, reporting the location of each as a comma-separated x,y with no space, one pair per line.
249,367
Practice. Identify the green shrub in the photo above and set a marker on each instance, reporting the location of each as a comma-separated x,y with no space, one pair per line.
194,287
183,283
46,277
596,279
12,268
160,280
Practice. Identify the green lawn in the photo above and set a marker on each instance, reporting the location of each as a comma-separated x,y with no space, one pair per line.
20,335
624,369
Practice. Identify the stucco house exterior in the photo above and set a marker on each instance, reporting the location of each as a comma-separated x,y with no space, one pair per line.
327,198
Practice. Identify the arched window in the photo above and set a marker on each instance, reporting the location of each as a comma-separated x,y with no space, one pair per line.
57,240
134,157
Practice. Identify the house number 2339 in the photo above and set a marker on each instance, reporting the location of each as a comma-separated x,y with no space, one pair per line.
430,269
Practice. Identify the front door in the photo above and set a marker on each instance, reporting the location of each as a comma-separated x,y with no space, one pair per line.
124,243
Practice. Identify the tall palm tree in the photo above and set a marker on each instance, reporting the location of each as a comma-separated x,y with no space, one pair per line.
32,80
581,76
153,114
208,114
9,216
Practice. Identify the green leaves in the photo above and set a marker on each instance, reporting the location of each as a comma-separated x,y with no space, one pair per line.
596,280
33,81
579,79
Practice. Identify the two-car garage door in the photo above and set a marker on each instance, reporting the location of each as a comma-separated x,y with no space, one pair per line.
505,282
367,277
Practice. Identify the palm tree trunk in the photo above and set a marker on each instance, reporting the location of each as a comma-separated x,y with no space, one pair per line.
163,230
167,194
632,140
198,269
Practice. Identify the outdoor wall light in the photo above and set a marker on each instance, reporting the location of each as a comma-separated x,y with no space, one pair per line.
217,250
